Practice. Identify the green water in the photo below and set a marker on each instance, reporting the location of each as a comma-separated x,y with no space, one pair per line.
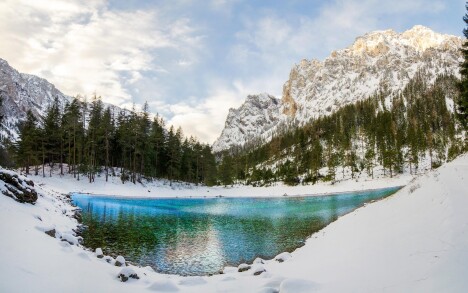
199,236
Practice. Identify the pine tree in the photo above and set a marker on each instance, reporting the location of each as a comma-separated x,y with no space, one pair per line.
27,142
462,102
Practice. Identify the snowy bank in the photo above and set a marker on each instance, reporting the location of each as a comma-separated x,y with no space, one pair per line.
163,188
413,241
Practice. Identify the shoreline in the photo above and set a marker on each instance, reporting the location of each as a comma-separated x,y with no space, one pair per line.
396,188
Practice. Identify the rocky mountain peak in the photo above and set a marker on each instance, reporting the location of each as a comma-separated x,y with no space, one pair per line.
316,88
22,92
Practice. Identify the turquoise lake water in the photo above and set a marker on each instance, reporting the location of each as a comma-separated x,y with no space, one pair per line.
200,236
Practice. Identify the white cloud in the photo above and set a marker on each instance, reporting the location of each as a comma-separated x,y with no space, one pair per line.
83,47
205,119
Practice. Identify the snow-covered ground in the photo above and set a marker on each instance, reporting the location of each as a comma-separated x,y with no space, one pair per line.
162,188
413,241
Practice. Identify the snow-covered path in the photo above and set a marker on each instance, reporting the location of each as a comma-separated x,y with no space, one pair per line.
413,241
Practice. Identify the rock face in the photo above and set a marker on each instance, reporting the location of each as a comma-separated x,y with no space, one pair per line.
17,187
22,92
378,60
255,117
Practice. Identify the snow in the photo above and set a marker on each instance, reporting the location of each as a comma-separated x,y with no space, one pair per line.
318,88
413,241
162,188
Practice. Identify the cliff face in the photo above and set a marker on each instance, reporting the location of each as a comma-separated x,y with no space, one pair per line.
377,60
255,117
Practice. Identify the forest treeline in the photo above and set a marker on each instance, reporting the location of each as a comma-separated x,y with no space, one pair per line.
394,133
90,139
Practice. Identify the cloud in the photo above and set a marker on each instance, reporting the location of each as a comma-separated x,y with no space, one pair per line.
192,60
84,47
206,119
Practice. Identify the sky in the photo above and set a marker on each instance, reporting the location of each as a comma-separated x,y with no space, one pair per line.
193,60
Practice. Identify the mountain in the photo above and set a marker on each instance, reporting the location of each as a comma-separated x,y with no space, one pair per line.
22,92
257,116
378,60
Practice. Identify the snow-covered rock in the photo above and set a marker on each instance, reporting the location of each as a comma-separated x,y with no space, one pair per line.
282,257
127,273
17,187
243,267
120,261
99,253
258,260
316,88
68,237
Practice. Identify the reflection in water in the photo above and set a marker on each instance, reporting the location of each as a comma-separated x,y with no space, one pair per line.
201,236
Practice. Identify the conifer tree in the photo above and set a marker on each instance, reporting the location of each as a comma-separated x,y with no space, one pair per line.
462,102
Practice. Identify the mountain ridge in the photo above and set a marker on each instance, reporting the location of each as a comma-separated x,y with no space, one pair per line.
378,59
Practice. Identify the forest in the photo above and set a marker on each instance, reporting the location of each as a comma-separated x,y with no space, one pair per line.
394,131
91,139
389,130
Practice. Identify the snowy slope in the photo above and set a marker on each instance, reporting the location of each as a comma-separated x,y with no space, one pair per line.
22,92
413,241
380,59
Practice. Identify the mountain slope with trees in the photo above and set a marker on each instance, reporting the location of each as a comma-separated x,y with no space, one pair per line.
394,131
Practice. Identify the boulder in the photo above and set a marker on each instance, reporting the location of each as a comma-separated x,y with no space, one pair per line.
99,253
51,233
243,267
283,257
18,188
127,273
120,261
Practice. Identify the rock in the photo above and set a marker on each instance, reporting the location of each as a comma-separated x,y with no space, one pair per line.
127,273
258,261
109,259
283,257
258,270
99,253
72,240
19,189
51,233
120,261
243,267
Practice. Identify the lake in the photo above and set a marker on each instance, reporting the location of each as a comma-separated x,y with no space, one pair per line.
200,236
